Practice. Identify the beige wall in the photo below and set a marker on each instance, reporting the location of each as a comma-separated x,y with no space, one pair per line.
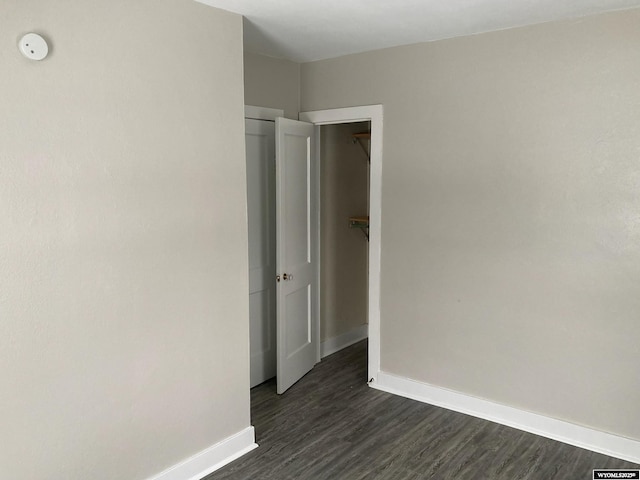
344,180
123,269
272,82
510,217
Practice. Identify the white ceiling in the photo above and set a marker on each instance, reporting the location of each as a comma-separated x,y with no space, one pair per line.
307,30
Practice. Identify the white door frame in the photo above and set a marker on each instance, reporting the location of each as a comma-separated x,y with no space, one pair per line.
374,114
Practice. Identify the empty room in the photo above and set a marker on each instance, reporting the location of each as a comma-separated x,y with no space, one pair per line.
248,239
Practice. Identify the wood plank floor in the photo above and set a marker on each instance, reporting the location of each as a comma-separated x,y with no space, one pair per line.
331,425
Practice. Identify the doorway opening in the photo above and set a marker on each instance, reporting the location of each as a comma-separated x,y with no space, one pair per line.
345,244
373,114
344,234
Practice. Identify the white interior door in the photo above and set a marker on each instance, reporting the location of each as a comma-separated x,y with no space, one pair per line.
261,210
297,223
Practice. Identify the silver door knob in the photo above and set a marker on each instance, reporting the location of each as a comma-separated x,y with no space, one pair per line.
287,276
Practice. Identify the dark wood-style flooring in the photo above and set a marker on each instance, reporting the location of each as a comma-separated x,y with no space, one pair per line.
331,425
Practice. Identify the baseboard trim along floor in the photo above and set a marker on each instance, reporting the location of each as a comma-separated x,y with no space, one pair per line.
211,459
335,344
578,436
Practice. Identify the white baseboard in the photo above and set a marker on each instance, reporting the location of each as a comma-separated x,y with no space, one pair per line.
211,459
335,344
583,437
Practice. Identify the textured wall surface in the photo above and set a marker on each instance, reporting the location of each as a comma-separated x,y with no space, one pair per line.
123,269
273,83
511,212
344,185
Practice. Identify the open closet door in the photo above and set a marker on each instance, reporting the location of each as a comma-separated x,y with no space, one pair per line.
297,233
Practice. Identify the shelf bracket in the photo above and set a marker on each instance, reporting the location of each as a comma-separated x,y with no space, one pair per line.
359,138
362,223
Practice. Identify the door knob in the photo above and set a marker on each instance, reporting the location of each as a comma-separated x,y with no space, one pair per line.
287,276
277,278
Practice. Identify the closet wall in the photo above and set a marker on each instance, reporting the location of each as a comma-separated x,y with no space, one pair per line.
344,250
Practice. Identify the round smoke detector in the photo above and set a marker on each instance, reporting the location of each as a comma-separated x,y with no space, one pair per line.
34,47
